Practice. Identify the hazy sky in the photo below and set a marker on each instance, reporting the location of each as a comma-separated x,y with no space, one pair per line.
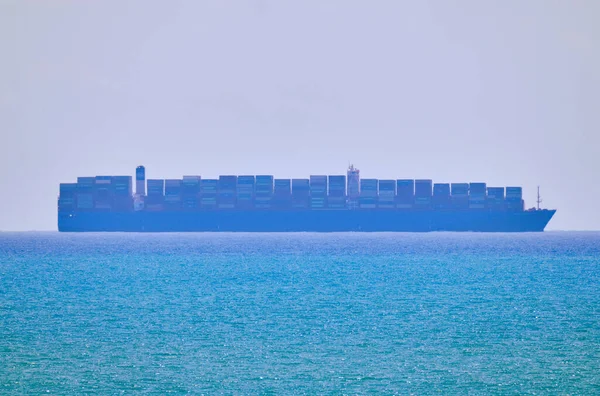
505,92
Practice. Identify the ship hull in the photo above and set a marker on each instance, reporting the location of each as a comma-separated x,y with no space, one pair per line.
305,221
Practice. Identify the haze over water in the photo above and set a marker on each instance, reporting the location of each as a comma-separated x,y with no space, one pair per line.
300,313
503,92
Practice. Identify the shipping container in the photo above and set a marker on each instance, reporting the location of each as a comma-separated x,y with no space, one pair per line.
190,186
460,189
86,184
423,202
103,180
103,193
66,203
208,202
67,191
477,189
405,193
423,188
173,187
337,185
245,191
282,197
318,179
459,202
300,201
155,187
123,204
441,190
226,200
336,202
441,196
190,202
123,185
154,199
263,202
514,193
264,186
387,186
387,194
495,193
366,202
85,201
515,205
318,185
495,198
369,188
154,183
283,186
247,180
208,186
300,187
227,191
318,202
227,183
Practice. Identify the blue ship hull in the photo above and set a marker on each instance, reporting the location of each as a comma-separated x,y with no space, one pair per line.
306,220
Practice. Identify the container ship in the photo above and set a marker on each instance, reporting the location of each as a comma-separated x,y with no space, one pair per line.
320,203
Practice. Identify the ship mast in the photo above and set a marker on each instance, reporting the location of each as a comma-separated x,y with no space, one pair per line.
539,198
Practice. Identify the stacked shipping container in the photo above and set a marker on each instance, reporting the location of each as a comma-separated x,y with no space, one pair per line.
477,195
423,192
495,198
387,194
337,192
369,191
173,194
208,193
460,196
85,193
300,193
405,193
67,198
155,199
226,192
190,192
103,193
245,192
282,196
123,193
514,198
441,196
248,192
263,191
318,192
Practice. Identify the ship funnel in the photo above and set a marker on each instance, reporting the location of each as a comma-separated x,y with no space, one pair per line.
140,181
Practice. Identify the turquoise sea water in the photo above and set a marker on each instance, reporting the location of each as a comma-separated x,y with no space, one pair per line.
300,313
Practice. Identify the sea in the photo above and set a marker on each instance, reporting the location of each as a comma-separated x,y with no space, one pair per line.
300,313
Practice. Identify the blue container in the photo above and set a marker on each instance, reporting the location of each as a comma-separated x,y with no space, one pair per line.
441,189
423,188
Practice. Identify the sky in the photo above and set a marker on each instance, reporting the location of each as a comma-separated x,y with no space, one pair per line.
505,92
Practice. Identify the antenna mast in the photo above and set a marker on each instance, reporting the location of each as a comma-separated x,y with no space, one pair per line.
539,198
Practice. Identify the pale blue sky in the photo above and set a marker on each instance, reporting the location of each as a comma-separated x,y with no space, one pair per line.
505,92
